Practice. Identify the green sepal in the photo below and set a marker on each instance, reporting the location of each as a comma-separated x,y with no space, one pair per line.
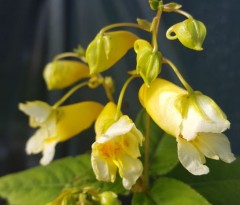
191,33
144,24
171,7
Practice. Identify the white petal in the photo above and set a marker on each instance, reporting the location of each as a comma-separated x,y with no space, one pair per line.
37,110
48,152
35,144
191,158
214,120
103,168
215,146
130,169
121,127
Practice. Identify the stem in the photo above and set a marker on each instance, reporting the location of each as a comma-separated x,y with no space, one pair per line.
69,93
155,26
134,25
179,75
184,13
65,55
120,99
146,151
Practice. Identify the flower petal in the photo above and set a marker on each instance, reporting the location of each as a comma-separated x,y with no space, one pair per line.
215,146
103,168
48,151
209,119
73,119
130,169
191,158
121,127
35,143
160,102
37,110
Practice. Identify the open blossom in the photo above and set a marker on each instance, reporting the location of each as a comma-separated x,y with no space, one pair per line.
116,147
194,119
56,124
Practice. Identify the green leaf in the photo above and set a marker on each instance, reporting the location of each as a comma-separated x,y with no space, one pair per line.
221,186
167,191
142,199
43,184
163,147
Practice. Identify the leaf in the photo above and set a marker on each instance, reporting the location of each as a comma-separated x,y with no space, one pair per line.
43,184
162,149
167,191
142,199
221,186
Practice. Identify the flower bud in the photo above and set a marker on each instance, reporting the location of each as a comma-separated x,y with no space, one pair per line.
60,74
109,198
149,63
106,49
191,33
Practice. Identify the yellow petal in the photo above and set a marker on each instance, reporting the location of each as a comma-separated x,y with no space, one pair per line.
160,102
75,118
60,74
105,50
105,119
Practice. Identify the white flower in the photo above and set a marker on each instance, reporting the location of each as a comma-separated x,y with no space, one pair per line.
194,119
116,147
56,124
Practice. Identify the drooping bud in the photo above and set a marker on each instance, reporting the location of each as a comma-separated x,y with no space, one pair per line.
60,74
106,49
109,198
149,62
191,33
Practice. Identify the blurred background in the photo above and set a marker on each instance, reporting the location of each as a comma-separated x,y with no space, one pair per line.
32,32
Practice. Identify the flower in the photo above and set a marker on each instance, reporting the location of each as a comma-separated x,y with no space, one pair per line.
108,48
56,124
191,33
193,118
61,74
116,147
149,63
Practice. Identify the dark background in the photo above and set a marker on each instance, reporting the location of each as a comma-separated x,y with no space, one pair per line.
32,32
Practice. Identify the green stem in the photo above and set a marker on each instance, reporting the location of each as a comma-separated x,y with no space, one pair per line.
146,152
134,25
184,13
179,75
69,93
155,26
120,99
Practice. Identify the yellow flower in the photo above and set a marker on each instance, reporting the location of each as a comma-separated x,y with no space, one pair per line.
191,33
194,119
149,63
116,147
60,74
56,124
108,48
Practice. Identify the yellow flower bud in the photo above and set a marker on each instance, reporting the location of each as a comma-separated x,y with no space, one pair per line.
149,63
191,33
106,49
60,74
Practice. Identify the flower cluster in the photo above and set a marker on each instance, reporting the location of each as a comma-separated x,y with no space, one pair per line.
194,119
